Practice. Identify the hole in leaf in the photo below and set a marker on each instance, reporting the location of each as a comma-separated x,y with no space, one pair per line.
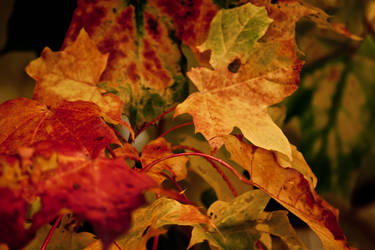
246,174
138,164
234,66
274,1
144,232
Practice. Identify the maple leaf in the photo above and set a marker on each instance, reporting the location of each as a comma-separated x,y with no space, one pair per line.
152,221
239,224
102,191
72,75
74,124
244,96
250,72
142,39
157,149
290,188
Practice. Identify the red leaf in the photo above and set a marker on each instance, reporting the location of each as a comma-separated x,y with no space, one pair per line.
77,124
102,191
12,213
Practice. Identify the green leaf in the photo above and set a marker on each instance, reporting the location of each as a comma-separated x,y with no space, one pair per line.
336,123
277,224
234,32
152,220
64,237
241,223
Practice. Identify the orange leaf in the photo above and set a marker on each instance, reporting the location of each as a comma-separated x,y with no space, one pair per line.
225,101
77,124
267,71
127,151
157,149
72,75
290,189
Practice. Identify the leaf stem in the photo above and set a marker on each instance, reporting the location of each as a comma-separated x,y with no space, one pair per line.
239,176
155,242
110,151
259,245
51,231
173,180
175,127
221,172
118,134
117,245
154,120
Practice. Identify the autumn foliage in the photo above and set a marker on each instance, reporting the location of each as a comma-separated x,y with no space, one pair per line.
65,155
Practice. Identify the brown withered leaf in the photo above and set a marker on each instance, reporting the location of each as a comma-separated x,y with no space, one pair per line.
142,39
74,124
290,189
72,75
157,149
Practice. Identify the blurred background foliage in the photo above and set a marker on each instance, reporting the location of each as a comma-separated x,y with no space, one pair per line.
331,117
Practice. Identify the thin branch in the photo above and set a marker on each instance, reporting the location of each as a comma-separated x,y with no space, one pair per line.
239,176
175,127
51,231
154,120
221,172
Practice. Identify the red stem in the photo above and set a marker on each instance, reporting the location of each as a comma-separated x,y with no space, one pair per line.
110,151
118,134
241,178
154,120
51,231
177,185
117,245
223,175
175,127
155,242
259,245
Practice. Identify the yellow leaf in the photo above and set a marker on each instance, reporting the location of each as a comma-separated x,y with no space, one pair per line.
72,75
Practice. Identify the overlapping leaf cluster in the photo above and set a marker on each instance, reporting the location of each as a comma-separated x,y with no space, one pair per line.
62,149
